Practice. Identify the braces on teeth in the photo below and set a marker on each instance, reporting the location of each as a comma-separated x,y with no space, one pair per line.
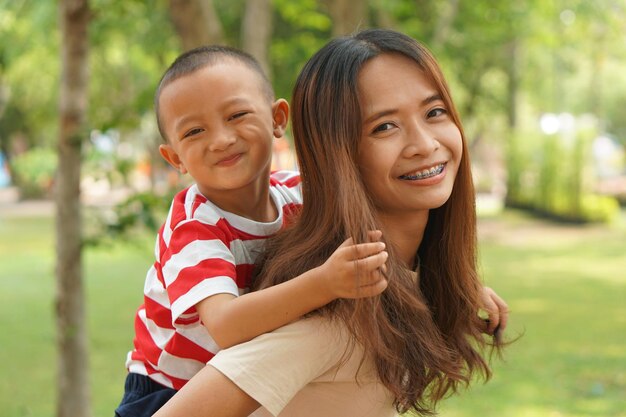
424,174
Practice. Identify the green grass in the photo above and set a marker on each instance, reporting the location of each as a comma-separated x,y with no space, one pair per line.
566,288
114,284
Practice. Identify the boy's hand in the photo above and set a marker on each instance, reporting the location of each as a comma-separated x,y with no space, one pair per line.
497,311
355,271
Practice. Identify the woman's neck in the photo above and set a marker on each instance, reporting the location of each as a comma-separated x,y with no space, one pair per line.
406,232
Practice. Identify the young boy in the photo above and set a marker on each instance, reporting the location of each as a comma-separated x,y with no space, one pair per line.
216,111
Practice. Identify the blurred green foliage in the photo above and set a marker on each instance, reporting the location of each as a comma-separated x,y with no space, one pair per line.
129,220
551,176
571,55
34,171
507,64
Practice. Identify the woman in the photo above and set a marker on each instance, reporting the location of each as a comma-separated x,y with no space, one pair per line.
380,146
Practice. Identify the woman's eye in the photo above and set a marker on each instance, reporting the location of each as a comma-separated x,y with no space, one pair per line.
437,112
193,132
383,127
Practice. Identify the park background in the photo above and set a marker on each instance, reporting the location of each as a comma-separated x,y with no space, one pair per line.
541,91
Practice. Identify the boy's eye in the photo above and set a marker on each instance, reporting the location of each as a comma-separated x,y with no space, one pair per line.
193,132
383,127
238,115
437,112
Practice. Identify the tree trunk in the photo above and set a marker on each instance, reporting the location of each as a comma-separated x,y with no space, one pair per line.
512,83
196,22
444,24
348,16
257,31
73,392
382,17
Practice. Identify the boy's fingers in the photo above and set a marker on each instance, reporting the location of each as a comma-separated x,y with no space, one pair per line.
370,278
493,318
364,250
496,309
372,289
498,312
503,310
371,262
493,322
374,235
346,243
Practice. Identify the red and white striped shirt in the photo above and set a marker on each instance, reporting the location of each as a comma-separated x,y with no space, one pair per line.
200,251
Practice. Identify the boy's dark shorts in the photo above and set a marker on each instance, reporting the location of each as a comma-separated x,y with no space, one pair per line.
142,397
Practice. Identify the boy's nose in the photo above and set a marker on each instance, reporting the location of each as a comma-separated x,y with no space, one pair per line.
222,141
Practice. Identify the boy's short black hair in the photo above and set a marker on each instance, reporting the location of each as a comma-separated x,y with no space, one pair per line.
200,57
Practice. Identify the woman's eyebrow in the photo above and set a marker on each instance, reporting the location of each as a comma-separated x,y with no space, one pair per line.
430,99
380,114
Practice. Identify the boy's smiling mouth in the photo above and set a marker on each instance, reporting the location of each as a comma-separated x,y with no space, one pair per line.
229,160
423,173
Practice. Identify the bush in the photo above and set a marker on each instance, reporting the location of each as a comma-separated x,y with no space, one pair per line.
34,171
598,208
551,176
129,219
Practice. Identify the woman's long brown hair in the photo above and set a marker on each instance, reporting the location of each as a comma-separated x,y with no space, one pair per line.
424,336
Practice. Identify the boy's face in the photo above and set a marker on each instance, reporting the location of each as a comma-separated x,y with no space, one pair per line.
220,125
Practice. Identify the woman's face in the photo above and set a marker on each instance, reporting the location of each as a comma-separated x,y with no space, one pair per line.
410,148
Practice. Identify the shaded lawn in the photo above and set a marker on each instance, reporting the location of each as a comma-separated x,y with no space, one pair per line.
566,288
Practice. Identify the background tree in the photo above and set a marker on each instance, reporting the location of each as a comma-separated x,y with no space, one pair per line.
348,16
507,62
196,22
73,394
28,76
256,31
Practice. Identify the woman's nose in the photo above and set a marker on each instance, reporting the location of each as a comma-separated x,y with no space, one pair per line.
421,140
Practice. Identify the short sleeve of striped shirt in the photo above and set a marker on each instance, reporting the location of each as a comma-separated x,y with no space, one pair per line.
197,264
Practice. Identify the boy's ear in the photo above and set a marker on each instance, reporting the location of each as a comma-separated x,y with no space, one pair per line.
280,115
169,154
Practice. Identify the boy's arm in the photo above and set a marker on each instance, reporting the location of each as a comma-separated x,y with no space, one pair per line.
232,320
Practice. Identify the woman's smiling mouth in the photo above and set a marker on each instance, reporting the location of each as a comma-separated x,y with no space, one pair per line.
424,173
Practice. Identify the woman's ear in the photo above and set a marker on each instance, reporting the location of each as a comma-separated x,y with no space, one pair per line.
169,154
280,116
